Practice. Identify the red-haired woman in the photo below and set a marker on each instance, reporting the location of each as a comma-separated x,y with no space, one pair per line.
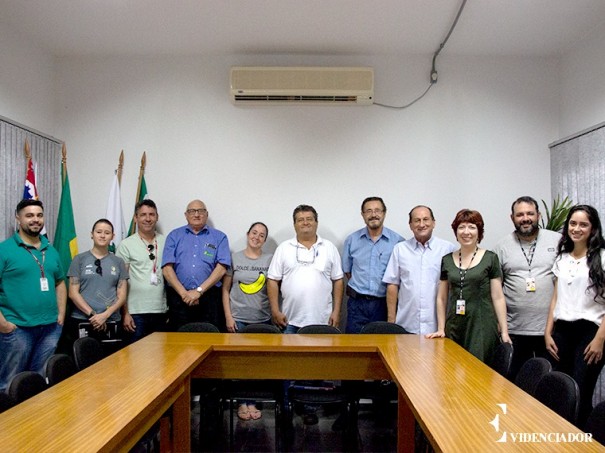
475,316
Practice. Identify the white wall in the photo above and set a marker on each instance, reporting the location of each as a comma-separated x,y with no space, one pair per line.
26,81
479,140
582,101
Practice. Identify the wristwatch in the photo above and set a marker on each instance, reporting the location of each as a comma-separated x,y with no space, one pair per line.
91,314
200,290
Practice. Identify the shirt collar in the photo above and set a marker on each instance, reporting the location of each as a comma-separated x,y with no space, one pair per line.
202,231
428,245
43,242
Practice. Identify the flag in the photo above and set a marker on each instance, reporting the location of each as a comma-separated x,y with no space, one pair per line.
66,241
30,191
114,213
142,191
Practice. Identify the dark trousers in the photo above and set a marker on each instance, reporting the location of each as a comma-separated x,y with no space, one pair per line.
571,339
362,310
525,347
146,323
209,309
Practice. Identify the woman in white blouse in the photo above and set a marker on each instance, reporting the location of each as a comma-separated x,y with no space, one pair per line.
575,331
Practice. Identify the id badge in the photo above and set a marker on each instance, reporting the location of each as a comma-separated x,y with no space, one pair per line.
530,284
43,284
460,306
153,279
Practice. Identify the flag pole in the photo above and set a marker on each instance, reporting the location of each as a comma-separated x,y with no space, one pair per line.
120,166
136,200
141,173
63,164
27,151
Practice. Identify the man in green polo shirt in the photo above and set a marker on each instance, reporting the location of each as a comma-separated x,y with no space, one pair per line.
33,296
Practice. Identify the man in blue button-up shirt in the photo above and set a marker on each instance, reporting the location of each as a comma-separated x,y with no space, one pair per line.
194,260
364,258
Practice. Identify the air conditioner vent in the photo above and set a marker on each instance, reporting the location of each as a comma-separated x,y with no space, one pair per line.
306,85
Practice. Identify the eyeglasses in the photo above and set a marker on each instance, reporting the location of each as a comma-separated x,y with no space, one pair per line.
306,262
201,211
99,269
150,248
373,211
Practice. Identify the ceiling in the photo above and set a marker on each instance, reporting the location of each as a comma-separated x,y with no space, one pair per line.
314,27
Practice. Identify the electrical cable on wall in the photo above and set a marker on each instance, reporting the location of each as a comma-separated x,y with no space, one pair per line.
433,75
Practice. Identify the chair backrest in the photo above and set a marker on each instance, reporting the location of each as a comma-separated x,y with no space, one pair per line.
319,329
596,423
6,402
24,385
531,372
560,393
199,327
87,351
383,327
503,357
260,328
59,367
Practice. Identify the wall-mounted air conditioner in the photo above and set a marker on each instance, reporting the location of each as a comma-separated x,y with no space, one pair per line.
301,85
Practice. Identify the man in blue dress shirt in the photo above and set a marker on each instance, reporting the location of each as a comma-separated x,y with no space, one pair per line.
364,259
194,260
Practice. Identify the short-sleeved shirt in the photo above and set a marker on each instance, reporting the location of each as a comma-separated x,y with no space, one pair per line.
98,288
366,260
22,300
527,311
574,300
306,277
416,268
195,255
144,295
248,295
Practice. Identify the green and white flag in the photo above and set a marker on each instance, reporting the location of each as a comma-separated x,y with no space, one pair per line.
114,213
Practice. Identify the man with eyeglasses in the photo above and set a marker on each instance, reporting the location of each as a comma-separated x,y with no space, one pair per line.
195,259
145,309
33,295
412,274
308,272
365,256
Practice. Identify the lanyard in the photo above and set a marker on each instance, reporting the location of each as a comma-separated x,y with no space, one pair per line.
532,249
40,265
463,274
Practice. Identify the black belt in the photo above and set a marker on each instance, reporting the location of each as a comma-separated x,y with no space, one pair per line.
354,294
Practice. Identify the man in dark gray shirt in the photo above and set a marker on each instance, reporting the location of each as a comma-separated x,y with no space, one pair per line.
527,256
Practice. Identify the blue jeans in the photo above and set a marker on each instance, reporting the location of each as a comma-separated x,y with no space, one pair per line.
291,329
146,324
363,311
26,349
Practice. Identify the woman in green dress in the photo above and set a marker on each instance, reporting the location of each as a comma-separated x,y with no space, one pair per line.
475,314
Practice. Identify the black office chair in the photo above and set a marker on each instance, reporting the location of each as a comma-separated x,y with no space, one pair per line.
208,392
199,327
531,372
382,327
24,385
321,393
87,351
260,328
6,402
560,393
255,389
503,357
596,423
59,367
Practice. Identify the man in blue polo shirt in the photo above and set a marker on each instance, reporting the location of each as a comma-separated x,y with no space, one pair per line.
364,258
33,296
194,261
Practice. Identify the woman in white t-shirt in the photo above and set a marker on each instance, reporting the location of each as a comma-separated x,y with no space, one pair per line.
575,331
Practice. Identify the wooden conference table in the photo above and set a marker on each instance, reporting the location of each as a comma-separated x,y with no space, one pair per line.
452,395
